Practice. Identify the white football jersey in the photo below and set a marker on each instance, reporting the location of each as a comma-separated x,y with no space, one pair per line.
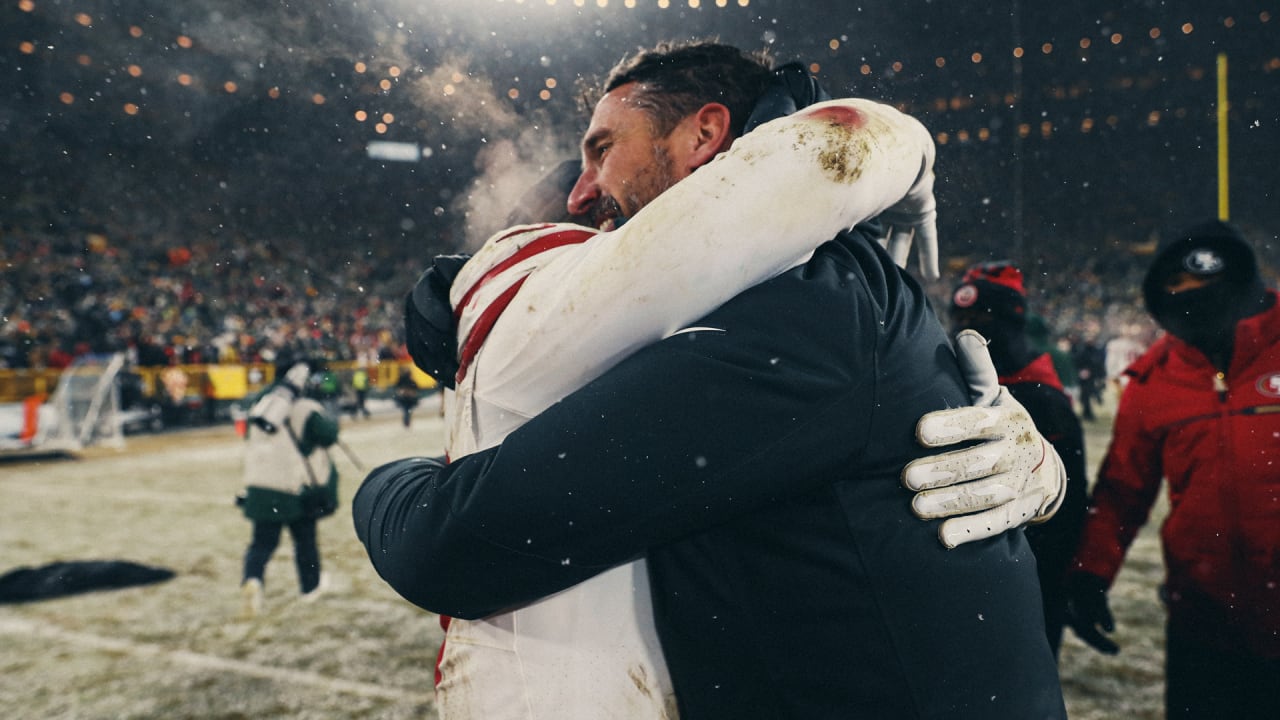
544,309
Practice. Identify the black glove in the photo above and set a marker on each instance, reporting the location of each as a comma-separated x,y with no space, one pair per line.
793,88
431,334
1087,610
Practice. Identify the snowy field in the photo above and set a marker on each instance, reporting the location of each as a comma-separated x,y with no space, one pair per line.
179,650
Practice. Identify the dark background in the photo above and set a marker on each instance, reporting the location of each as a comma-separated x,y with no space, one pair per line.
234,123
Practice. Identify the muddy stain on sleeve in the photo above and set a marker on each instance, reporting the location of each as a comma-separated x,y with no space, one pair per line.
841,139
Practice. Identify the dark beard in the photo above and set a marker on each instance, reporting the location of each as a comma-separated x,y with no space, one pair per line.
604,210
655,179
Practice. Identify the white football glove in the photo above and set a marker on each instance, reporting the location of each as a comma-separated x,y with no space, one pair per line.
1012,479
915,215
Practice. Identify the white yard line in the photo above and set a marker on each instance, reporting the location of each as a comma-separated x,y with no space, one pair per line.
17,626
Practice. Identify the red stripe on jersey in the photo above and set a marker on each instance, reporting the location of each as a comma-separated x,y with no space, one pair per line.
542,244
483,324
444,625
522,230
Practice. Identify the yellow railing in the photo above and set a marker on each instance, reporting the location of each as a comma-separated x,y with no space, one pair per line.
218,382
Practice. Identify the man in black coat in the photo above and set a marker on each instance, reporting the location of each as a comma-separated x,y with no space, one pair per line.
756,459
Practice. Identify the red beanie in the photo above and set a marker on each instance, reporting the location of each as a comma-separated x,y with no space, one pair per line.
994,287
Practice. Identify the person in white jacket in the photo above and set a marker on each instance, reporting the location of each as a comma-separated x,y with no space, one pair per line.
286,455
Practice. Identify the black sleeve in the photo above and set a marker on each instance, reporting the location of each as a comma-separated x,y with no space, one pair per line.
1055,541
686,434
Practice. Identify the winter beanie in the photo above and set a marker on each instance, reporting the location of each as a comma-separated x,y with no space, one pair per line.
994,288
991,300
1205,316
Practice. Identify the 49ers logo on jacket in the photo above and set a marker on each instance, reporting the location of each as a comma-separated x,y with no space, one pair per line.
1269,385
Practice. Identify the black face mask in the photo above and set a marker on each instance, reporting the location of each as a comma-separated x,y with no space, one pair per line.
1205,317
1008,348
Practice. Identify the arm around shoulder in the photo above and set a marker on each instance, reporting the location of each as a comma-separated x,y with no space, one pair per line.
403,516
726,426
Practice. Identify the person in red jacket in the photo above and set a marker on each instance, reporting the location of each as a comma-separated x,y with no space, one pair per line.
991,299
1202,409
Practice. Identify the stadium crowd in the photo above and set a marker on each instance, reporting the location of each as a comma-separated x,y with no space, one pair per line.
124,279
86,284
97,284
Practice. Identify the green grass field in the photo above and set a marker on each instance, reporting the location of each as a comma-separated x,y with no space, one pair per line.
179,649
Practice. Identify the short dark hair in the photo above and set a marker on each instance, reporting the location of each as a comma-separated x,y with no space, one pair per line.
674,79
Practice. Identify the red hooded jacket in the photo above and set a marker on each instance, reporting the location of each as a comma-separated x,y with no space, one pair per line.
1216,438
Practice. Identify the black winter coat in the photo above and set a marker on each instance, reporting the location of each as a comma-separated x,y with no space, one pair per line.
756,462
1054,542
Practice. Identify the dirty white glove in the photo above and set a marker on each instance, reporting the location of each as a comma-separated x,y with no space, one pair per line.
1012,479
914,217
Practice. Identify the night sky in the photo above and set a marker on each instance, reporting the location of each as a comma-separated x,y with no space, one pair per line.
1082,124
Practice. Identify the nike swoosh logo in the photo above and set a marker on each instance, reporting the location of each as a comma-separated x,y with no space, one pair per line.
697,328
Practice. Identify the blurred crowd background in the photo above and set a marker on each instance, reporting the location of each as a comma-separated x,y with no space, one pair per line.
193,183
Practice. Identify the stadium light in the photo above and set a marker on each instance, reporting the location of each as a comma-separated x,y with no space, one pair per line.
393,151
